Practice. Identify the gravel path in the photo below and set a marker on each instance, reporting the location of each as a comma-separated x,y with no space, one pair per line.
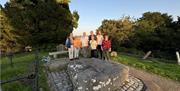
155,82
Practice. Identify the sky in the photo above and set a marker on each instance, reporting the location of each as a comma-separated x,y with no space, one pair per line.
93,12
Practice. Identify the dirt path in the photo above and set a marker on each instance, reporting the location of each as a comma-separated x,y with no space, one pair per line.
155,82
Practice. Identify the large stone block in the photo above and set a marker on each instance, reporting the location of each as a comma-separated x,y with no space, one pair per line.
96,75
57,65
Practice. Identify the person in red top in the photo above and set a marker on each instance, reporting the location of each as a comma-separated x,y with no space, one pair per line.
106,47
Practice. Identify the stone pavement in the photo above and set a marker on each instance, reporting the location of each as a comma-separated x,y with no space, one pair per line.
155,82
134,84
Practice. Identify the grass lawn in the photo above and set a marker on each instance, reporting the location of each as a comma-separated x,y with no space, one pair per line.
169,70
23,64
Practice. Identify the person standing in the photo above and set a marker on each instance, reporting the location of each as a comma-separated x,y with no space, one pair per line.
93,45
85,41
99,42
77,46
92,35
69,45
106,47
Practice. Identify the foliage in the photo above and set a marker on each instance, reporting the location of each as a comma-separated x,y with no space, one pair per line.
63,1
75,19
8,42
41,22
158,35
154,31
118,30
155,66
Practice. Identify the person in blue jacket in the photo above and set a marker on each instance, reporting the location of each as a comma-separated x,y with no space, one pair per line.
69,45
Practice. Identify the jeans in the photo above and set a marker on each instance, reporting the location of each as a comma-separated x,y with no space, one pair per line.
76,52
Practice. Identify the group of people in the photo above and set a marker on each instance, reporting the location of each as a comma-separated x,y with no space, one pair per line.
98,46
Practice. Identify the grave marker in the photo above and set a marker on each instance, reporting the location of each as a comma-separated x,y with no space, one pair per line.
178,58
147,55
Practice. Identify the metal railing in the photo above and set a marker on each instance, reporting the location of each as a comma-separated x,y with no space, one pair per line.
32,76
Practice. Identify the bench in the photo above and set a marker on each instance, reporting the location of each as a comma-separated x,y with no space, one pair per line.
54,54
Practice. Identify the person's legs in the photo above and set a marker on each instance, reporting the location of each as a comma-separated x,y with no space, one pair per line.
70,50
95,54
83,51
104,55
77,52
92,53
99,51
108,55
74,52
86,51
89,52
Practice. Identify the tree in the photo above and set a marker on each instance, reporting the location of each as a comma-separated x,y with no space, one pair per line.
75,19
41,22
8,42
63,1
119,30
155,31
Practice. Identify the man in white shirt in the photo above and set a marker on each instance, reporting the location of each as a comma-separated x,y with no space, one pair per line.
99,38
85,44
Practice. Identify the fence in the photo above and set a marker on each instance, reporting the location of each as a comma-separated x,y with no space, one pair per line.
32,76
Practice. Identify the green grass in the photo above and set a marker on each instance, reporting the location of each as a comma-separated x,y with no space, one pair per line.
171,71
22,65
